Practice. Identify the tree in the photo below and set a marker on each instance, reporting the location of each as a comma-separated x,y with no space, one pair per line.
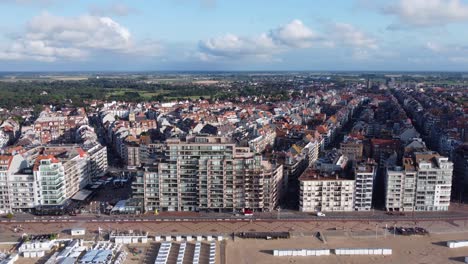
9,216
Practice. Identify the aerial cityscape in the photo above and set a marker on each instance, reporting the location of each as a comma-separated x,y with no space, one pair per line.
343,142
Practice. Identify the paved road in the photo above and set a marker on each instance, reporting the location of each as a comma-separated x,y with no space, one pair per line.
379,216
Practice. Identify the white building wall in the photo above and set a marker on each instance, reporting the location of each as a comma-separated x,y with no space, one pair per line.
364,185
326,195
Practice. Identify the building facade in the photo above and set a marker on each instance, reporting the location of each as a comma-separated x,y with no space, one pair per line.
209,173
423,183
434,182
49,175
327,193
352,149
365,173
400,189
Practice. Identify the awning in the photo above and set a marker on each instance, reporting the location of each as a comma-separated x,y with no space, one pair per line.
82,195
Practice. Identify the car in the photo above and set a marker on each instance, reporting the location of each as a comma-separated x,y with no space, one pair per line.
320,214
248,212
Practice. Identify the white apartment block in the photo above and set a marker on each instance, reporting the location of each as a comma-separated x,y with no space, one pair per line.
313,150
364,173
18,188
4,197
423,184
50,175
24,191
97,156
434,182
47,175
327,193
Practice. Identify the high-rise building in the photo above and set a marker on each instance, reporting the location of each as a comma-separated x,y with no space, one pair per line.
423,183
434,182
209,173
48,175
364,173
5,162
18,189
400,187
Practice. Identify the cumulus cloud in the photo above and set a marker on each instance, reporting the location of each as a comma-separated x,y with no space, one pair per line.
231,45
348,35
294,35
49,38
427,13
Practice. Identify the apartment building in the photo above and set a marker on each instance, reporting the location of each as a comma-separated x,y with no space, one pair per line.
364,173
423,183
18,189
131,154
320,191
434,181
48,175
97,158
59,127
259,143
313,147
400,187
209,173
4,195
382,149
352,148
24,190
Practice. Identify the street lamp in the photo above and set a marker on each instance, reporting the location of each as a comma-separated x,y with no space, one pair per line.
376,225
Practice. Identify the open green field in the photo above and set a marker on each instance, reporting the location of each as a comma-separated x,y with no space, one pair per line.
144,94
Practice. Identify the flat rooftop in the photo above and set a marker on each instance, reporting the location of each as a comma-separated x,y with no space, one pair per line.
314,175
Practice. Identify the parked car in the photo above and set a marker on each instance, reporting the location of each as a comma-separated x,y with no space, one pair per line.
248,212
320,214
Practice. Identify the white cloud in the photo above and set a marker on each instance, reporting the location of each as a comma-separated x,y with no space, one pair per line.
348,35
50,38
294,34
427,13
231,45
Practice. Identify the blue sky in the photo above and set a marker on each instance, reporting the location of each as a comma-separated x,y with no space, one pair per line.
68,35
